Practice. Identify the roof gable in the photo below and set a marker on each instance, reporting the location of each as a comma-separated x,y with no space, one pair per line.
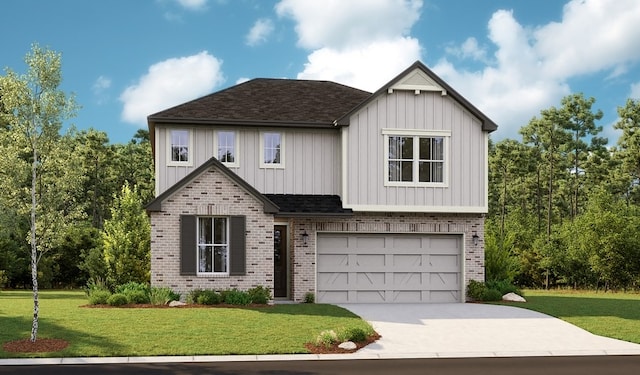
418,78
156,204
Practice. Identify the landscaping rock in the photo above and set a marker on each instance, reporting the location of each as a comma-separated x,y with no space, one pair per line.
348,345
176,303
512,297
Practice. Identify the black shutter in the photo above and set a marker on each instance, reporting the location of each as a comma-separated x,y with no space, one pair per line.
237,253
188,245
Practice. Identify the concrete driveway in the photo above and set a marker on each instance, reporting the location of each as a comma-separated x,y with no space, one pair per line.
477,330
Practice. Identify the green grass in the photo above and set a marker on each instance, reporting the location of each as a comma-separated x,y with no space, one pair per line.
615,315
278,329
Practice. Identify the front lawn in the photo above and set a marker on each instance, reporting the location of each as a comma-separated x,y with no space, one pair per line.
615,315
99,332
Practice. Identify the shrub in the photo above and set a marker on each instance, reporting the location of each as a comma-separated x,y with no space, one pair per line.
99,297
237,297
354,334
137,297
476,290
327,338
492,295
162,296
192,296
504,286
134,291
208,297
309,297
259,295
117,299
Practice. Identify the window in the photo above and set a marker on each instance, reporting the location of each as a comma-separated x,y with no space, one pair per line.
213,245
179,147
272,150
227,147
415,158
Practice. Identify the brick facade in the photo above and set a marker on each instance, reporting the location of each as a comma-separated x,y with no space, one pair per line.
213,193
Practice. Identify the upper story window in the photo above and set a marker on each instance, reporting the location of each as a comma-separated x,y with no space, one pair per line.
180,147
416,157
213,245
271,150
227,144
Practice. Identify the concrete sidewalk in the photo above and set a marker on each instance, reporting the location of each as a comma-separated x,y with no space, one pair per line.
478,330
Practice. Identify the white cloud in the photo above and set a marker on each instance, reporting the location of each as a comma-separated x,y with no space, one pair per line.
101,84
193,4
469,50
367,67
242,80
169,83
341,24
260,31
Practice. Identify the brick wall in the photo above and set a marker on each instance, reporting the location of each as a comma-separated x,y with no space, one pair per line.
211,194
303,257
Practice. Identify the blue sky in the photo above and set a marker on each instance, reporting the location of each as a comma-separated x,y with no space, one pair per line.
126,59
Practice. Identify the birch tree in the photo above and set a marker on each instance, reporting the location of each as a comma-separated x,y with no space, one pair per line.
33,110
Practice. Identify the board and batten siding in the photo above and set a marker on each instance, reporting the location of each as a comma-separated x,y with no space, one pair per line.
311,159
363,143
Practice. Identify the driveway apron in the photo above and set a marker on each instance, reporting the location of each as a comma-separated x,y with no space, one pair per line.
477,330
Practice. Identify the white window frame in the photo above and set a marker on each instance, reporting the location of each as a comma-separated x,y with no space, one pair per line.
213,246
416,134
190,153
263,164
236,143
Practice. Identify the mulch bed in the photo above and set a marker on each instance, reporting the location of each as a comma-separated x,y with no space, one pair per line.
39,346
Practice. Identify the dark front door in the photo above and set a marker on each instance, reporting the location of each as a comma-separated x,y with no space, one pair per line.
280,261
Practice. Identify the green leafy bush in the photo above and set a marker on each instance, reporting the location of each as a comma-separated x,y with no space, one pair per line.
492,295
192,296
135,292
309,297
237,297
208,297
162,295
259,295
354,334
476,290
99,297
327,338
137,297
504,286
117,299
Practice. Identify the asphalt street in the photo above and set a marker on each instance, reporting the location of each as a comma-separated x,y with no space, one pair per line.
579,365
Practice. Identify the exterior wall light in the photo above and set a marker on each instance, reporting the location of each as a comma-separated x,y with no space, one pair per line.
305,237
475,238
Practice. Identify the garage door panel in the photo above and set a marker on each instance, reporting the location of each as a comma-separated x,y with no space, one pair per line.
388,268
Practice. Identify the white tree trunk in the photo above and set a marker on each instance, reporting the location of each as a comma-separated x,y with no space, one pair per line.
34,247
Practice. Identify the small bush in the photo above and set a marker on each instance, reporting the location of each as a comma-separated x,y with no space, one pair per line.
208,297
503,286
132,286
327,338
237,297
162,296
492,295
309,297
259,295
137,297
117,299
476,290
99,297
192,296
353,334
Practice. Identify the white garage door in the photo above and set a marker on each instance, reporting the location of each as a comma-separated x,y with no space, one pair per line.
389,268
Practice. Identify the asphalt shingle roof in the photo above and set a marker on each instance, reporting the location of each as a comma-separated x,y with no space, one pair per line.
275,101
306,204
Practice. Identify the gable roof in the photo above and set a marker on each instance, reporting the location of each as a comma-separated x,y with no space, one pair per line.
263,101
156,204
432,82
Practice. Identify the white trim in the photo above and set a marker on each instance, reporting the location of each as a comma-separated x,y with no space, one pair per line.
236,146
227,258
486,168
417,133
345,165
190,150
157,160
282,150
416,208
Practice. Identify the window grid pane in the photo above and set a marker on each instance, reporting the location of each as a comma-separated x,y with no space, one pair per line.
212,244
271,143
179,145
226,147
401,159
427,161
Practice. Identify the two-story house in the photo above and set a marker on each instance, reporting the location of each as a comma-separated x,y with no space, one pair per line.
312,186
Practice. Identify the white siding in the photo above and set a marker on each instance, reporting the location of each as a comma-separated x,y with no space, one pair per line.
311,159
364,177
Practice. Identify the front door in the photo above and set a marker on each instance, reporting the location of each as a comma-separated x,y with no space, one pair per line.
280,261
